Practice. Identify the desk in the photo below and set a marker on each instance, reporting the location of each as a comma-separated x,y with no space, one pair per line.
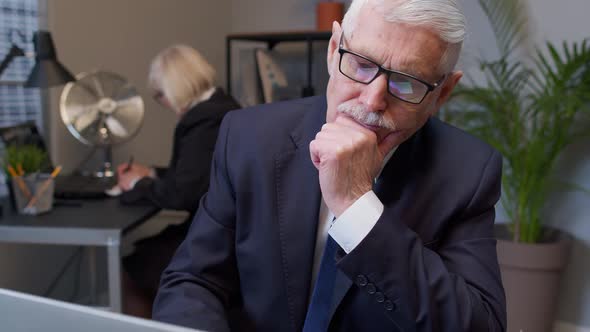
272,39
94,223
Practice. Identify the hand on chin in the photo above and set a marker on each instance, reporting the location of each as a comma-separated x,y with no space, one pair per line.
347,157
386,138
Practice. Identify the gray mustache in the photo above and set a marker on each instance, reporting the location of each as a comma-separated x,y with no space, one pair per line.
359,113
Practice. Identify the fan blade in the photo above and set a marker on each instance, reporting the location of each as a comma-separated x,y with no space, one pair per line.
125,112
85,119
124,91
134,103
98,86
129,111
89,90
116,127
73,112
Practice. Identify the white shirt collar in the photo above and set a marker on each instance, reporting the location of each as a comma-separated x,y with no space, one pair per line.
204,96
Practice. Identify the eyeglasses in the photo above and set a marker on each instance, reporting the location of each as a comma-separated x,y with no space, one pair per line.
402,86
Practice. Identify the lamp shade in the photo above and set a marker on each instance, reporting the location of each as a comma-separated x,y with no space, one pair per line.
48,71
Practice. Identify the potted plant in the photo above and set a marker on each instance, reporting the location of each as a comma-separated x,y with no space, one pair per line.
30,157
22,164
528,108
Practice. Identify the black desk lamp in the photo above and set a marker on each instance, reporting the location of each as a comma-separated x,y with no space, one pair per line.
48,71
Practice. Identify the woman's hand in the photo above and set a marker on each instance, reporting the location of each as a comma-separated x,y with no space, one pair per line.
128,175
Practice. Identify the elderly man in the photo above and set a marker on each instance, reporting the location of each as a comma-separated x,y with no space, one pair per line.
357,211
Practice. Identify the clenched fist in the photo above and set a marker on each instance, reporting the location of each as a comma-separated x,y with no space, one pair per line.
348,157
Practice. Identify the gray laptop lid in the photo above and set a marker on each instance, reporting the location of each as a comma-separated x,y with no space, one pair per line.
21,312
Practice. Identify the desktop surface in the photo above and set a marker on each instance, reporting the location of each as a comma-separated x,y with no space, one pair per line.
106,213
92,223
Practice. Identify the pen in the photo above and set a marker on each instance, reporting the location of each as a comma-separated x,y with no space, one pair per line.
129,163
43,187
19,182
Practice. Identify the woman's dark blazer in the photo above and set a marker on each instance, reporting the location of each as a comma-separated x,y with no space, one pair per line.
181,185
178,187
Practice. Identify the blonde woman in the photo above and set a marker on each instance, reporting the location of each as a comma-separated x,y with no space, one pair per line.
182,81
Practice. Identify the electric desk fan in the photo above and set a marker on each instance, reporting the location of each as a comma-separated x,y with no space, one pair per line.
101,109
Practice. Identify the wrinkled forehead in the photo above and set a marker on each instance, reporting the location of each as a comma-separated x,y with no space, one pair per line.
413,49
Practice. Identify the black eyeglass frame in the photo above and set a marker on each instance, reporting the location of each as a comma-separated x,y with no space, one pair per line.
430,87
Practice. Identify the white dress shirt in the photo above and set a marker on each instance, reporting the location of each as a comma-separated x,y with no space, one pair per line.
351,227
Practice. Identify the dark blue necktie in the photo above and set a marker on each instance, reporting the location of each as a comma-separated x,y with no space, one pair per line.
319,308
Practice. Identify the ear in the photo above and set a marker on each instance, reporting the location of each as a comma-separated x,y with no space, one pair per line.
448,87
333,46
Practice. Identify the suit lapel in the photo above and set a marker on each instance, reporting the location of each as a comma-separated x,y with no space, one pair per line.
298,202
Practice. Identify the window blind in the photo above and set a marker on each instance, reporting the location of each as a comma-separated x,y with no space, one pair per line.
19,19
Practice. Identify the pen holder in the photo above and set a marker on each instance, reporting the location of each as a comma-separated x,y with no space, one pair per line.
40,187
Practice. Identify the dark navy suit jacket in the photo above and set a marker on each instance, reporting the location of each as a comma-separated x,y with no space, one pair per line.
429,264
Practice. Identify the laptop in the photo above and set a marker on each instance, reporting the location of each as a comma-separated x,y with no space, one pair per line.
20,312
71,186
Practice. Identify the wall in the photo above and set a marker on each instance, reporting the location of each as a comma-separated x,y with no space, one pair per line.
272,15
555,21
558,21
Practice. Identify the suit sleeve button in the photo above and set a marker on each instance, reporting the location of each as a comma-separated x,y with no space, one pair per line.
379,297
389,306
361,280
371,289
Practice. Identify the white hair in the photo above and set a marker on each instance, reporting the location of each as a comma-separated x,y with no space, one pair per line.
444,17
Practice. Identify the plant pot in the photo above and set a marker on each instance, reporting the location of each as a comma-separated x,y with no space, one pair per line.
531,274
327,13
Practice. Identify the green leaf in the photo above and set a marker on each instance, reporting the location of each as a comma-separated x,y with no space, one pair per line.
528,109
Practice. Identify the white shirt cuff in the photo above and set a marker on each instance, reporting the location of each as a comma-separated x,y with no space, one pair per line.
133,182
357,221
